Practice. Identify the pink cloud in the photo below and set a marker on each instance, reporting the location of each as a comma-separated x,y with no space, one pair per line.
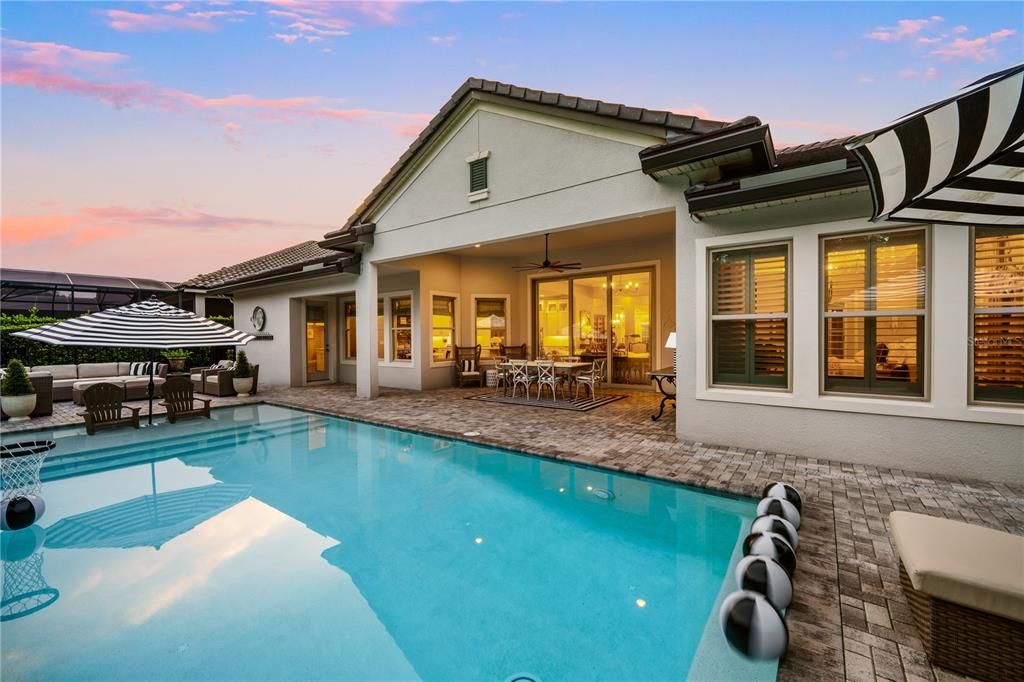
905,28
442,41
136,22
286,38
174,7
978,49
54,55
28,65
17,230
305,27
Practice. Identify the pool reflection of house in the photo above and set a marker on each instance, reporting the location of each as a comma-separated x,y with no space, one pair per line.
428,545
802,326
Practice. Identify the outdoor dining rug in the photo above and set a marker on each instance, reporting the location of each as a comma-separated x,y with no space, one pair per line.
581,405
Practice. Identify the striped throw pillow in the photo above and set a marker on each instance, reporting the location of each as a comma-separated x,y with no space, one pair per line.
469,365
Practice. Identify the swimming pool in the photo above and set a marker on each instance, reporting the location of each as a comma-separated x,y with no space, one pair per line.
270,543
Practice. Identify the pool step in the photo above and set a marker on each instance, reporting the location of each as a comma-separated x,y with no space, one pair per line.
117,457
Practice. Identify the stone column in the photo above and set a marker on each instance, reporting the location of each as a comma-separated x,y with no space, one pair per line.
366,332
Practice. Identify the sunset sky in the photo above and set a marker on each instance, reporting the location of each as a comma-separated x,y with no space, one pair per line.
164,139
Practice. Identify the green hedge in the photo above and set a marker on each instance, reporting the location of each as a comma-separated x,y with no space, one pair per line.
32,353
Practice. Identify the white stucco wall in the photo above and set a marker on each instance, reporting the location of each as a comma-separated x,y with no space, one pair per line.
942,433
544,174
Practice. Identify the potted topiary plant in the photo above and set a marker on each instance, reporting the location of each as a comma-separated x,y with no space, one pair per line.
242,380
17,394
176,358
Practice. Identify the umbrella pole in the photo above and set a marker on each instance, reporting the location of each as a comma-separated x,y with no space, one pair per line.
152,387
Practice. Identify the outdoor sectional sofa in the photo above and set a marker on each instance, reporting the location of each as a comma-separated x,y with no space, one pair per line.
71,380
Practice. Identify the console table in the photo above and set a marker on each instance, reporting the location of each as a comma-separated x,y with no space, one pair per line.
664,377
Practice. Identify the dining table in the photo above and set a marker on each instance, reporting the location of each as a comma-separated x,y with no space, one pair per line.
565,367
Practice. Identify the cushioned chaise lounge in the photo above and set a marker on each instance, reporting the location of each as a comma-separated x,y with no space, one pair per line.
965,585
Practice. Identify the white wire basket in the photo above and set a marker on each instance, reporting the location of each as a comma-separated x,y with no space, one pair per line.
19,467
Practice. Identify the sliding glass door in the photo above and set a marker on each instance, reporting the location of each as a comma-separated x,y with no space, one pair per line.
316,342
596,316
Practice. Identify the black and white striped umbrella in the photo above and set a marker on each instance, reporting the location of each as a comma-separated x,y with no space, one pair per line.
147,324
957,161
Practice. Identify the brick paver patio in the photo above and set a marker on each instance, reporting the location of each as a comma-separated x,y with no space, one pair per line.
849,618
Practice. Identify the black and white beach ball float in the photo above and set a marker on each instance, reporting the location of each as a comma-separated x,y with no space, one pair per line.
21,512
779,507
753,626
771,545
771,523
765,576
784,491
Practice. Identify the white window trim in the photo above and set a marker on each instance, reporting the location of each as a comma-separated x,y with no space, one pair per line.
972,311
788,316
508,316
455,331
947,399
927,312
389,329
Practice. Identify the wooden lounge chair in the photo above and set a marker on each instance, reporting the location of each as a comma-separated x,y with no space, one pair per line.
180,401
965,586
104,408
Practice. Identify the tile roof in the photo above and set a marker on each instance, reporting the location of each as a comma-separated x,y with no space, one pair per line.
306,253
672,122
815,152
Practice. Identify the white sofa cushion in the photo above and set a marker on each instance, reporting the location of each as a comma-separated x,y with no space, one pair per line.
83,384
141,381
64,383
58,371
123,368
93,370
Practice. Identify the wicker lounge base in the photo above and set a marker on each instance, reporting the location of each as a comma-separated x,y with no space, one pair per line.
967,641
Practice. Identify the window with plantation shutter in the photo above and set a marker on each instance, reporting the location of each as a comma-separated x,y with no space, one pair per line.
478,175
442,322
750,316
997,314
874,292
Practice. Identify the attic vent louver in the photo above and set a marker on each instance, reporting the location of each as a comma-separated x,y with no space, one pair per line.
478,175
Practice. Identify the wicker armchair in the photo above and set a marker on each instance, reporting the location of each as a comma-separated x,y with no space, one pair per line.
467,365
217,381
514,352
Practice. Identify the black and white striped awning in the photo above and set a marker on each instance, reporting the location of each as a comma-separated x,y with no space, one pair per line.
957,161
148,324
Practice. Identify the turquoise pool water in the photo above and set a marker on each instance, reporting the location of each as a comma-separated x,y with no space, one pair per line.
270,543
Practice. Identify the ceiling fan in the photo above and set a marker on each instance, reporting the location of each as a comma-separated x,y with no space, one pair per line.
553,266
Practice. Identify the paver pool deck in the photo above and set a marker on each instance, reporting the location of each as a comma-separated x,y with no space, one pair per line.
849,618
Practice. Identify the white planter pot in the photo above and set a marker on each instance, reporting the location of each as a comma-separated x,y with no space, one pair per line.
18,407
242,386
